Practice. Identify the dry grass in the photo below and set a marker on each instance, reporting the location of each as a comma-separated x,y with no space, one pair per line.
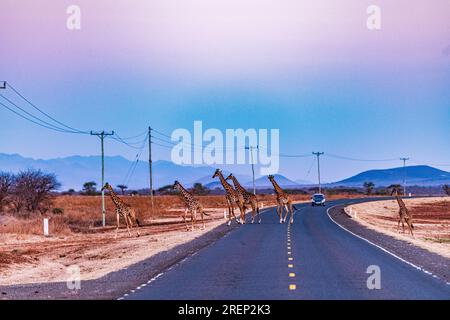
83,213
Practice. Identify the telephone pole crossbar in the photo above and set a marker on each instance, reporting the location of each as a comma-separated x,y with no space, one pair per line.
102,136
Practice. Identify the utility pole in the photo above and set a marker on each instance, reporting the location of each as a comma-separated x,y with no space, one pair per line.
150,163
318,154
404,174
253,167
102,136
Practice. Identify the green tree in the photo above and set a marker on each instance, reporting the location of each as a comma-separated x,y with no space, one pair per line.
199,189
122,188
90,188
369,186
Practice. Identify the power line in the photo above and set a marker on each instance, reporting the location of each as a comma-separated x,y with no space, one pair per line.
357,159
31,120
37,120
43,112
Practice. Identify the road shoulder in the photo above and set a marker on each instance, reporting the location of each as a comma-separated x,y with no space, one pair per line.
428,261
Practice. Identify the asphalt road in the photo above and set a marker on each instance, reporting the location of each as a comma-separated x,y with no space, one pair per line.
311,259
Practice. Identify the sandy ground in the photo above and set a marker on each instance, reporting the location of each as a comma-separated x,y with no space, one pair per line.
36,259
431,219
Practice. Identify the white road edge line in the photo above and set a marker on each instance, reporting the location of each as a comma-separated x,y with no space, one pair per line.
385,250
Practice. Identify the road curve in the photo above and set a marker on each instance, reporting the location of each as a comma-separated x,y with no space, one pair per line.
311,259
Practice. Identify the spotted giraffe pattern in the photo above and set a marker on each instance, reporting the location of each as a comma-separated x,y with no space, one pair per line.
283,201
249,198
122,210
191,204
404,215
233,198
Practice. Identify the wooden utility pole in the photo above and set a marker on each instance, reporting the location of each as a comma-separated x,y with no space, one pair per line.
102,136
150,163
404,174
318,154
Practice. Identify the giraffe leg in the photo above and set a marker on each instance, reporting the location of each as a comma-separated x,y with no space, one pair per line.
234,215
137,224
192,220
398,225
408,222
132,218
195,219
291,220
280,212
253,212
287,212
403,225
203,221
257,210
242,210
118,223
126,216
184,217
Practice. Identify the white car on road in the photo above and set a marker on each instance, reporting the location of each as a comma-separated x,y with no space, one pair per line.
318,199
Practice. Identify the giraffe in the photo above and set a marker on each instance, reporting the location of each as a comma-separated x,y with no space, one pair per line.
283,201
122,210
404,215
249,198
233,198
191,204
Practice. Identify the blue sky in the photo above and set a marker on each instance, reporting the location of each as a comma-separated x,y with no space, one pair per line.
328,83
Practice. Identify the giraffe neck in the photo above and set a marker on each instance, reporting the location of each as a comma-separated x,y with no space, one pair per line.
225,184
238,185
400,201
184,192
114,197
277,188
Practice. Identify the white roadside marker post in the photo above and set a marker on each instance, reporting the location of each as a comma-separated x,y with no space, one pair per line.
46,227
225,214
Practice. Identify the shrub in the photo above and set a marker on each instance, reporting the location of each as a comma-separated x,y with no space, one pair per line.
58,211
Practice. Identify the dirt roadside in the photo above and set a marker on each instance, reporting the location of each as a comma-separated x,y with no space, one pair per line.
432,262
431,220
38,269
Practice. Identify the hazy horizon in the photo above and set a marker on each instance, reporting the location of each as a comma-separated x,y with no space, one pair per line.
312,70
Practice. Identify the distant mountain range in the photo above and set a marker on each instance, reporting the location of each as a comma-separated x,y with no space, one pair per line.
415,175
73,171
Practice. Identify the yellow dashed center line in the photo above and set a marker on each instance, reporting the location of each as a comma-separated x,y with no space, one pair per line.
292,286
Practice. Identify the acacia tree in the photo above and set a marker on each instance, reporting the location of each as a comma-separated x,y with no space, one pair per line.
90,188
122,188
369,186
199,189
